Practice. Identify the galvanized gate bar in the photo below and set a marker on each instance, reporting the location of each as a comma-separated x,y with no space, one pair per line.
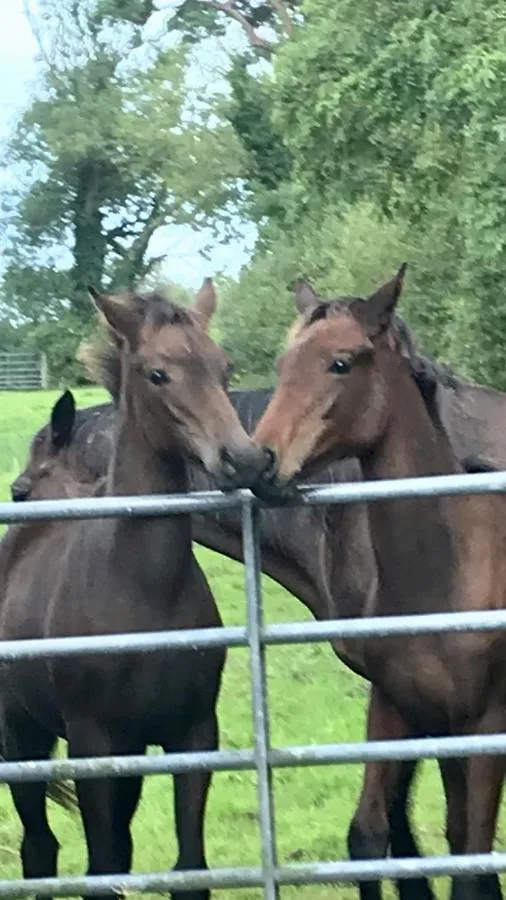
119,507
240,877
236,635
259,700
144,641
401,488
245,760
207,501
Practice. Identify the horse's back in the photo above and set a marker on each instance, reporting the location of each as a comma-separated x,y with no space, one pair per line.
474,417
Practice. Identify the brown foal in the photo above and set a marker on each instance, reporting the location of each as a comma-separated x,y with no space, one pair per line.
345,390
125,575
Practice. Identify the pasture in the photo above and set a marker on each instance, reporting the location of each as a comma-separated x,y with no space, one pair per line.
313,699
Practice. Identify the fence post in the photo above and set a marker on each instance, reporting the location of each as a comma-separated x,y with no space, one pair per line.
44,371
259,699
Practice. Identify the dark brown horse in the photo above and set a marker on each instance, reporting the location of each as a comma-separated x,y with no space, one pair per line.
127,575
346,391
53,471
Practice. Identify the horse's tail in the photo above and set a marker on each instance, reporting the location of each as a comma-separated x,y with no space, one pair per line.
63,793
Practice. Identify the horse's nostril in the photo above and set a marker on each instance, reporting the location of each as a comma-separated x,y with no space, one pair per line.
18,495
227,459
271,463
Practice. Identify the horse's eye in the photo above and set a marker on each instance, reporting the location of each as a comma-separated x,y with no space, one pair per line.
158,377
340,366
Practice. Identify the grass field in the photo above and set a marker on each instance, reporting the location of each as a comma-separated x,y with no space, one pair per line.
313,697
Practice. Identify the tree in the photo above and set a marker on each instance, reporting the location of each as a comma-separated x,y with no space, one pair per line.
198,19
112,147
402,103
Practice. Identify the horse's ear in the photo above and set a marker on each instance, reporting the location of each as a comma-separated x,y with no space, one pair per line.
380,306
305,297
125,318
62,420
205,301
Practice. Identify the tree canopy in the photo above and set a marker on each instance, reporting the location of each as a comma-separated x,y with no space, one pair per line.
114,145
354,135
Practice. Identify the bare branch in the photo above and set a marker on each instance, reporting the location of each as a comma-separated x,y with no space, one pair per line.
134,256
282,11
32,21
120,231
150,264
117,248
229,8
154,220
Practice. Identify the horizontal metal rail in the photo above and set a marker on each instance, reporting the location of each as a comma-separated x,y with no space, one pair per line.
244,760
236,635
209,501
252,876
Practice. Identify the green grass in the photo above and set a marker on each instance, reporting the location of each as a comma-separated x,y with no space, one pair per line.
313,699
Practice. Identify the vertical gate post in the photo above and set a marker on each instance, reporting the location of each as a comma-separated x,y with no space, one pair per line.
259,699
44,372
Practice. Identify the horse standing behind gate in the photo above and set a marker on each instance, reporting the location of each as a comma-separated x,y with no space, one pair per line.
115,576
344,390
51,473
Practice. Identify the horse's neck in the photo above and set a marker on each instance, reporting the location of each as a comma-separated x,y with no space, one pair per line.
322,556
291,552
137,468
414,539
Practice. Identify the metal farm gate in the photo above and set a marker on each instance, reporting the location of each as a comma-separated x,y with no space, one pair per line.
262,758
21,371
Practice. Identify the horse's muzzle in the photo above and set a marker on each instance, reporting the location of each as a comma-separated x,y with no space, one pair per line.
20,490
241,468
270,487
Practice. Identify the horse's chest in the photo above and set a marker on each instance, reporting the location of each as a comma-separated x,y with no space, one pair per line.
152,692
440,682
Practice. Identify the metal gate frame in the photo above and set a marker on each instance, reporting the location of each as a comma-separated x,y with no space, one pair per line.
262,758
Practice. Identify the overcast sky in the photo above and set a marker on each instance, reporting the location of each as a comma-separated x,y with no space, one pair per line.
185,264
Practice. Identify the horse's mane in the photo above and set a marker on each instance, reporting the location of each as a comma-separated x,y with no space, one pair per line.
101,358
101,355
421,366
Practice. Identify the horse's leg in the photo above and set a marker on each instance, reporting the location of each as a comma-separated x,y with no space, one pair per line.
107,804
485,775
402,840
403,844
190,797
369,833
23,738
454,775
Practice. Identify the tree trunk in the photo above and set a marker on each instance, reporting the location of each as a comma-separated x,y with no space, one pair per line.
89,239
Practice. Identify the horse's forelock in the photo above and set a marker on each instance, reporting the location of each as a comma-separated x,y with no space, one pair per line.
101,356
